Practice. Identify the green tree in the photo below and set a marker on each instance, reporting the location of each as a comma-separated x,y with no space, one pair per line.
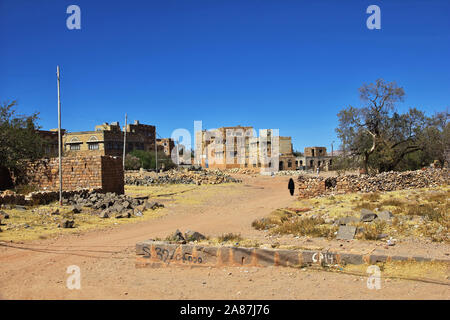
147,159
19,139
384,139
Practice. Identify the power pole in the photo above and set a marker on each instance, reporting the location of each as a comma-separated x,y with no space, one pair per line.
59,137
156,154
124,141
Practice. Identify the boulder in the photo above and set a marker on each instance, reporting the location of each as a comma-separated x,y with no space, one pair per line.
385,215
104,214
152,205
66,223
193,236
346,232
367,215
177,236
4,215
125,214
76,209
346,220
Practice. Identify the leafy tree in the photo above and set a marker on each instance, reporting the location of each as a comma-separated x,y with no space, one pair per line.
147,159
19,139
132,162
384,139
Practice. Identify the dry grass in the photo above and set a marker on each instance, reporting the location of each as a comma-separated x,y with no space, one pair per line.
286,222
230,237
28,225
371,231
374,196
418,213
406,270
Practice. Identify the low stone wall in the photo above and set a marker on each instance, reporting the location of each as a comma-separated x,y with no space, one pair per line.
90,172
39,197
161,254
310,187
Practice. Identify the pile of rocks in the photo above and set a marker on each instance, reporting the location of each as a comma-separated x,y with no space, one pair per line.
9,197
189,236
243,170
310,186
111,204
390,181
288,173
179,177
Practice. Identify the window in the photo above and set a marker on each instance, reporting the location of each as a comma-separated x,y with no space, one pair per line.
75,146
93,146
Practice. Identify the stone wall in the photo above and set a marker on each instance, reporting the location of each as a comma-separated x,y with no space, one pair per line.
310,186
39,197
90,172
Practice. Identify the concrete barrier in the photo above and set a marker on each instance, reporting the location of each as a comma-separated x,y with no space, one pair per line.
159,254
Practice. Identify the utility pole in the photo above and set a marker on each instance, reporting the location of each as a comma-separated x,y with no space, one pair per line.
124,142
59,137
156,154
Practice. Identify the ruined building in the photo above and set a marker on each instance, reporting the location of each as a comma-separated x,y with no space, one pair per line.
238,147
313,158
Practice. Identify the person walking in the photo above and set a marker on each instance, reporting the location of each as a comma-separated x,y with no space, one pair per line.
291,186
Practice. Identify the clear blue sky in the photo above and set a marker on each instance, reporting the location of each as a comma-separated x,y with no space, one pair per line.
287,64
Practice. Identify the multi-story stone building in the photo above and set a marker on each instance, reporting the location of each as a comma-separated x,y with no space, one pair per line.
238,147
107,139
313,158
165,145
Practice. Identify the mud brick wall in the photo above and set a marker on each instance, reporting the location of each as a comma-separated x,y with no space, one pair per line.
91,172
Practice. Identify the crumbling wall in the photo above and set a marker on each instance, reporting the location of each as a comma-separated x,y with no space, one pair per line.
310,187
90,172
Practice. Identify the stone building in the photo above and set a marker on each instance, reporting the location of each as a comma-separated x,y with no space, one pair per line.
165,145
313,158
107,139
238,147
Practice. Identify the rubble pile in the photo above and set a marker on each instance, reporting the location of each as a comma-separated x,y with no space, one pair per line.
243,170
390,181
310,186
111,204
9,197
179,177
288,173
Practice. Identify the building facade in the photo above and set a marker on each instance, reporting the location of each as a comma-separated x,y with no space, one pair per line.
108,139
238,147
313,158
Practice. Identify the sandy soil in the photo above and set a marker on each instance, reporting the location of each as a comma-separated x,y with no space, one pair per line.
37,269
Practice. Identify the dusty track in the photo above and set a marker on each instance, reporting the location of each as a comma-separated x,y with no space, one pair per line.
37,270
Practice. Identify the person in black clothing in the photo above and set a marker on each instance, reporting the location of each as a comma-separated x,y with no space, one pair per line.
291,186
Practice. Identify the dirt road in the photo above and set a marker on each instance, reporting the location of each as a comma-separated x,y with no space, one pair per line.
37,269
